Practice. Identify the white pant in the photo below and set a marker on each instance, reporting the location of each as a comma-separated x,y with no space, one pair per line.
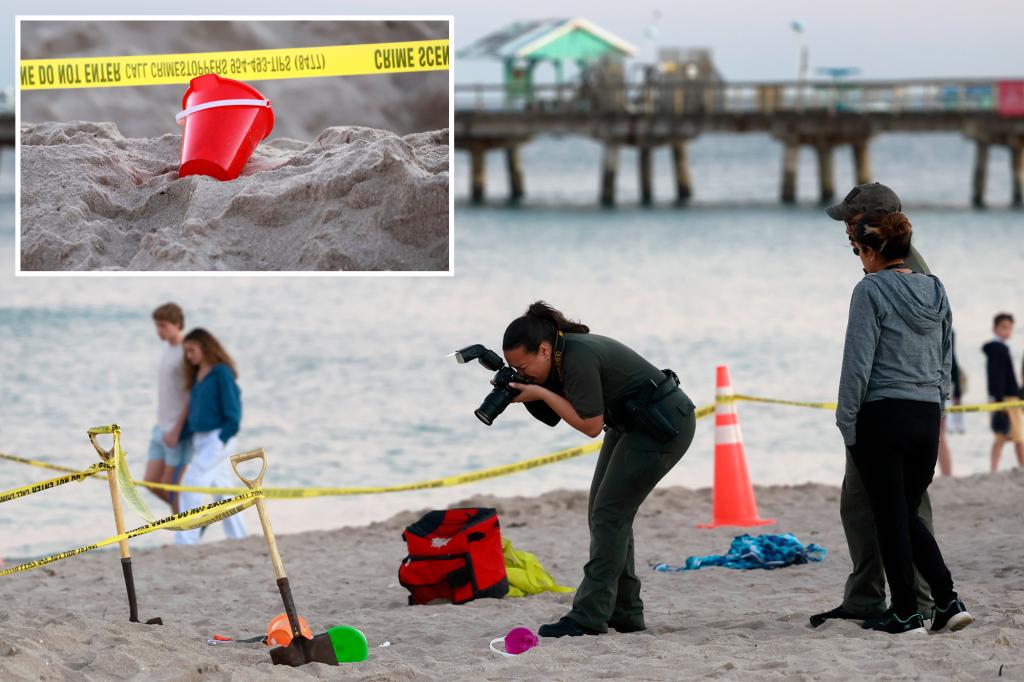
209,468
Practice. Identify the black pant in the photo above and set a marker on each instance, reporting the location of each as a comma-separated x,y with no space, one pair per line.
628,469
897,445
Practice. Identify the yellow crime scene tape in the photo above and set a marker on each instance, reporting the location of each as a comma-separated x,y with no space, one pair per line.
986,407
200,516
37,463
445,482
39,487
129,485
175,69
775,401
244,498
979,407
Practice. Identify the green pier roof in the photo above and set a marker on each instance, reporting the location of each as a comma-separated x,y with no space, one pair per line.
548,39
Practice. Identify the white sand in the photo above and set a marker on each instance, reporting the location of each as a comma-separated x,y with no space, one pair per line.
352,199
69,620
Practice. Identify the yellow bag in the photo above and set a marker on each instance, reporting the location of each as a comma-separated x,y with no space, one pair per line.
526,575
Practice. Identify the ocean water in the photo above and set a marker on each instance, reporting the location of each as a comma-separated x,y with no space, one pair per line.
346,381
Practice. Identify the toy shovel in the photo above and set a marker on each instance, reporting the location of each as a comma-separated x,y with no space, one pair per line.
115,499
301,650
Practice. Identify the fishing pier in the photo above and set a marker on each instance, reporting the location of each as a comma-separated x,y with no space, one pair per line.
822,115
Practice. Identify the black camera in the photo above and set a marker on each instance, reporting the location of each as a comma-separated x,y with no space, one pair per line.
501,397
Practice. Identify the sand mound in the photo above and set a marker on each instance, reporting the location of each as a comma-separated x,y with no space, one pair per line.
353,199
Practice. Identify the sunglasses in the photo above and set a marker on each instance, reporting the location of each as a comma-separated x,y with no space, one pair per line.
850,229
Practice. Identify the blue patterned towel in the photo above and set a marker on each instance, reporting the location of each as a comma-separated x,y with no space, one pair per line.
764,551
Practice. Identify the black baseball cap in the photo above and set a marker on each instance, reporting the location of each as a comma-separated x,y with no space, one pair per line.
873,197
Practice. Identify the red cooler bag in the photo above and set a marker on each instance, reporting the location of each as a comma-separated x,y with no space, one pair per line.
454,554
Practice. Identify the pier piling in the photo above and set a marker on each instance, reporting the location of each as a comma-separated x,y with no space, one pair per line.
980,172
1017,173
646,181
682,169
826,180
861,162
515,173
609,169
478,173
790,161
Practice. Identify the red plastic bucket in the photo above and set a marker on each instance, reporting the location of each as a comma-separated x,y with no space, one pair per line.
222,128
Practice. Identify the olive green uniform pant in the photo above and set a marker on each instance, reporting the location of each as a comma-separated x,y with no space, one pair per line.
865,587
628,468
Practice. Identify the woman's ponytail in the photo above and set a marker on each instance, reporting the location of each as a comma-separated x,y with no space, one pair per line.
547,312
888,233
541,323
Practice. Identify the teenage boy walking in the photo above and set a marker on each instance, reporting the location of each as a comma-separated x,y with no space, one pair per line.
168,455
1002,385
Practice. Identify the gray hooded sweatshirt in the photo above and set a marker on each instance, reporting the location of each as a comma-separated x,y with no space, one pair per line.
898,344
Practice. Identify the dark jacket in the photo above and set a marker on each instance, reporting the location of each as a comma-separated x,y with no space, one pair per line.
1002,382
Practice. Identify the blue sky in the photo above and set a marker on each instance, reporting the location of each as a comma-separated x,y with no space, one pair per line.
751,39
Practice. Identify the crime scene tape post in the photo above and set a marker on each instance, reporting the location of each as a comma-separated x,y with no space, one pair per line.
176,69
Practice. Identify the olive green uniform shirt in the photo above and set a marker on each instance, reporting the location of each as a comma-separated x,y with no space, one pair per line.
599,371
916,263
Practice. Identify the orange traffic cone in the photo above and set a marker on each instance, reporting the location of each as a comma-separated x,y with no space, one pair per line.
733,497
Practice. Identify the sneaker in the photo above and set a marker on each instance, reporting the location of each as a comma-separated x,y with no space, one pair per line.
895,625
877,619
840,612
566,627
954,617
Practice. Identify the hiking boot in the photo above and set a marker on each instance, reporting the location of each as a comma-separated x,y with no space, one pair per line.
839,612
895,625
954,617
566,627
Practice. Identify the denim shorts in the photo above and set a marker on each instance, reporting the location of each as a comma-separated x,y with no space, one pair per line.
173,457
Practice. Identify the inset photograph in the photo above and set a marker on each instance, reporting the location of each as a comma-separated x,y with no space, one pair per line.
249,146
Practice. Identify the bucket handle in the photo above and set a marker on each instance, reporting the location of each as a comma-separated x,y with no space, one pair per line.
182,115
496,650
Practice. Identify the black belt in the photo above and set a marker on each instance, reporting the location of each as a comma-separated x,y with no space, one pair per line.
618,417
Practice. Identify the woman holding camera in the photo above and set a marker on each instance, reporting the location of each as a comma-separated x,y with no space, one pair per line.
894,382
595,383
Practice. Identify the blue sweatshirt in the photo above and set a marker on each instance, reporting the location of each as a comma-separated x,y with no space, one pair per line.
215,403
898,344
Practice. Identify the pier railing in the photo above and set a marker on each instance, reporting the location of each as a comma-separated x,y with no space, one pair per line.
701,97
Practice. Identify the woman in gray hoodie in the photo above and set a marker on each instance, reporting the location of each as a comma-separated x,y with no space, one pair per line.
894,382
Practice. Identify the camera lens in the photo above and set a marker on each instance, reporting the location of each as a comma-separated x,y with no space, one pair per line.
495,403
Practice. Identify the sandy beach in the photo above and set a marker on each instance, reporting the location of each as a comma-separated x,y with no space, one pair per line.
352,199
69,620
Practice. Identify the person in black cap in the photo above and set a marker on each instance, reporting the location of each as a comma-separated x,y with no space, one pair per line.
864,595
